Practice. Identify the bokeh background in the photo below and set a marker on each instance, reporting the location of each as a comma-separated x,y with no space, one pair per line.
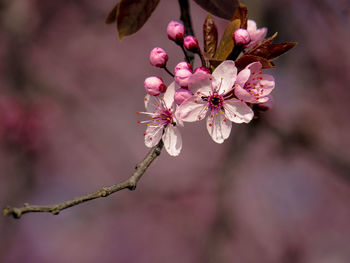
278,190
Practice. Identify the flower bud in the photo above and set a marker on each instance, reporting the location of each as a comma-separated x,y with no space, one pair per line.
183,65
158,57
202,70
176,31
181,95
191,44
182,76
154,86
241,37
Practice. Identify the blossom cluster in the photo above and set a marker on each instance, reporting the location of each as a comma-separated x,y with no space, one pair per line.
221,95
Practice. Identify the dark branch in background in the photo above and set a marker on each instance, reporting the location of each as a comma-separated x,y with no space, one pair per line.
185,17
103,192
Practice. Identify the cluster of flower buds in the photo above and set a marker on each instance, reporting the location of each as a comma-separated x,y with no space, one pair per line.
227,95
176,32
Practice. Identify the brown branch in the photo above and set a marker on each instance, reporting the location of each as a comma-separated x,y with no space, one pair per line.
130,184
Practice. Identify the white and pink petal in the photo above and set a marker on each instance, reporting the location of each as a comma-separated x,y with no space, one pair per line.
153,135
237,111
200,83
169,95
243,77
172,140
192,109
218,126
225,76
243,94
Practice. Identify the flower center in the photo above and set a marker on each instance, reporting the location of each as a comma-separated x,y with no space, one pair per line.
163,117
215,101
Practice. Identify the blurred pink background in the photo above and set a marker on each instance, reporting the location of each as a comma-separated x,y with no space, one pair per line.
277,191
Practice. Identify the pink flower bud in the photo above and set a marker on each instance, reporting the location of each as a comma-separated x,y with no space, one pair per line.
154,86
176,31
158,57
183,65
182,76
181,95
191,44
202,70
241,37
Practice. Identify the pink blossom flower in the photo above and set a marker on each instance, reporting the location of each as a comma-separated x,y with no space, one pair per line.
158,57
182,76
191,44
181,95
162,124
213,95
154,86
241,37
183,65
256,35
252,86
176,31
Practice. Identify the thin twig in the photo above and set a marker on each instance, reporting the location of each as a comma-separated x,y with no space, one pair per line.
168,71
186,19
130,183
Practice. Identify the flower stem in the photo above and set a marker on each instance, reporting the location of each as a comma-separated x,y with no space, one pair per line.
168,71
185,17
188,59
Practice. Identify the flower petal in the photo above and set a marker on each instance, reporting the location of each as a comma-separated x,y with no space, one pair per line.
200,82
169,95
251,26
242,77
268,82
243,94
150,103
218,126
153,135
192,109
172,140
225,76
254,67
237,111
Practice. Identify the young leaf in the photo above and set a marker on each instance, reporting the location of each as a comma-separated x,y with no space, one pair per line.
226,43
210,35
133,14
272,51
245,60
221,8
112,16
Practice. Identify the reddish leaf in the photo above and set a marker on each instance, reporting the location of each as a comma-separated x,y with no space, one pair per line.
245,60
241,14
272,51
133,14
210,36
226,43
112,16
265,42
221,8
